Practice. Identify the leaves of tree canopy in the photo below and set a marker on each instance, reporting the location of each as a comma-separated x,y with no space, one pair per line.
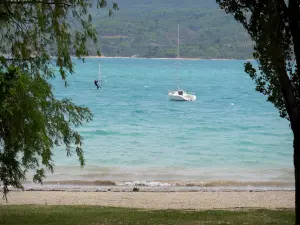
267,22
32,120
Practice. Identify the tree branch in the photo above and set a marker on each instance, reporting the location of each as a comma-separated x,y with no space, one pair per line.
37,2
15,20
23,59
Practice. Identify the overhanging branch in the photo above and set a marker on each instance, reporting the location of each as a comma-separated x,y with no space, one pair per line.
38,2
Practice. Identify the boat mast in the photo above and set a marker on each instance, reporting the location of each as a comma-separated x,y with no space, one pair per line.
178,58
99,76
99,72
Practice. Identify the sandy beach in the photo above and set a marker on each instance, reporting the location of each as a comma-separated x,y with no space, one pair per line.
159,200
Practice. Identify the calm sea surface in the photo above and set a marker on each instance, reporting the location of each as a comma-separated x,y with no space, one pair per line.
230,136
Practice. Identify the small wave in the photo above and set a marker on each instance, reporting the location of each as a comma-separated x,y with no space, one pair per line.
103,132
213,183
207,184
138,111
246,143
210,129
107,133
145,183
104,185
229,183
83,182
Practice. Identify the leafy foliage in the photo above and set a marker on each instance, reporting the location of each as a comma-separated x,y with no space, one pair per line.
32,120
31,27
267,24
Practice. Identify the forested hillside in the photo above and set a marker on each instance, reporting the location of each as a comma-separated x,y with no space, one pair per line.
148,28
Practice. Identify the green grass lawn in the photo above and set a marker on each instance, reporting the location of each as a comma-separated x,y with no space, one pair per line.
93,215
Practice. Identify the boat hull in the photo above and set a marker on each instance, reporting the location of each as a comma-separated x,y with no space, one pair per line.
185,97
176,98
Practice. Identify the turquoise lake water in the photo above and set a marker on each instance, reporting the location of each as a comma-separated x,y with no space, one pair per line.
229,134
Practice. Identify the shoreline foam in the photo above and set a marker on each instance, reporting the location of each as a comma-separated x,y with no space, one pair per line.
157,186
205,183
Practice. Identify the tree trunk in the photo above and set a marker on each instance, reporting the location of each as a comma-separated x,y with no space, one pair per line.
297,170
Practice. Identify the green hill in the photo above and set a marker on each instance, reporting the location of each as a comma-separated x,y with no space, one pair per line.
148,28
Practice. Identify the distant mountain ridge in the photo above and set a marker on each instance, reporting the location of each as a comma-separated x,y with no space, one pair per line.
148,28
